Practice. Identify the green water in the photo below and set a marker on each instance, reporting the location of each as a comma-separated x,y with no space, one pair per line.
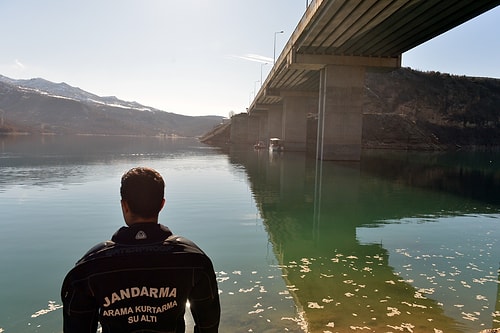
402,242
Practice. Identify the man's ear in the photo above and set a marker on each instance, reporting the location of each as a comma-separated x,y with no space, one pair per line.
162,203
125,207
127,213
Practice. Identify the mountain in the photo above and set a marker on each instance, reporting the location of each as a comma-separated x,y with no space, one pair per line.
39,106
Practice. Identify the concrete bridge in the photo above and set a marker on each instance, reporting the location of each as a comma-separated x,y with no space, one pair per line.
321,70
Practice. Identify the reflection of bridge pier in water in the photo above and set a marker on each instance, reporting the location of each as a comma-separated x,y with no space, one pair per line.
312,209
338,191
311,215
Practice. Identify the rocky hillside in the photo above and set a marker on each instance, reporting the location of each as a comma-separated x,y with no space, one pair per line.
430,110
38,106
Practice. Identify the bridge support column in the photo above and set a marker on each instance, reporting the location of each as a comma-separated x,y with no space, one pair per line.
263,126
253,129
239,128
274,121
340,113
294,130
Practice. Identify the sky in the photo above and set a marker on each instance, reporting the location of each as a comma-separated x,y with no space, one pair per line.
191,57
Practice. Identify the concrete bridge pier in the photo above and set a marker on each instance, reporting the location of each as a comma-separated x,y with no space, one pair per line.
263,134
253,129
294,123
340,113
239,128
274,118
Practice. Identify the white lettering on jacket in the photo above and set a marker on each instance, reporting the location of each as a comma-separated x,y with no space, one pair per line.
139,309
139,292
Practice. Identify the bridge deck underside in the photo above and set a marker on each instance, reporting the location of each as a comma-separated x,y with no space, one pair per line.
364,29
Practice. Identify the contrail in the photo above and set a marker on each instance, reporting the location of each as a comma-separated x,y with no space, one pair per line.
254,57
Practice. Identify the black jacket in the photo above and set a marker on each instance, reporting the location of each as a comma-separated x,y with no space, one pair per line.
140,281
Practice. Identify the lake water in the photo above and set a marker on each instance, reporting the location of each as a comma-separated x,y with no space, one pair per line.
399,242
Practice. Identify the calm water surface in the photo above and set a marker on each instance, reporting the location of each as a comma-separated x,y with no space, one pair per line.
400,242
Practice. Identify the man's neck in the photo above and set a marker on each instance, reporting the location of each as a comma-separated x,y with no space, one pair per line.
141,221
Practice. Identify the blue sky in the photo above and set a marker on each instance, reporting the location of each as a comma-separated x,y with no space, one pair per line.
192,57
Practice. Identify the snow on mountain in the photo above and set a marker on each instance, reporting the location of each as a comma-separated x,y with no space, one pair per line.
38,106
63,90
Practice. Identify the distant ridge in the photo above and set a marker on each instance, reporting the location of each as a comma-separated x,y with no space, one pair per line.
64,90
38,106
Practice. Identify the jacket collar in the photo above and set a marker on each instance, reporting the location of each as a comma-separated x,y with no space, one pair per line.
141,233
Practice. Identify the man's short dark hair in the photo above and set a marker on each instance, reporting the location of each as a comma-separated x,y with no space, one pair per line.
143,189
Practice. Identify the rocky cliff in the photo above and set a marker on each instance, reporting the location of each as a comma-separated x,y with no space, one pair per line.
412,109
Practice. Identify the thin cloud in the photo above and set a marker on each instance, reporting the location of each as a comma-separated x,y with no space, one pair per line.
254,58
19,65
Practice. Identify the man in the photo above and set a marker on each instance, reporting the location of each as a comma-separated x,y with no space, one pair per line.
141,279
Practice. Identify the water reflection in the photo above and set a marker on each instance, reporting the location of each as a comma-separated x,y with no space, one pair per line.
312,213
399,242
470,175
54,160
